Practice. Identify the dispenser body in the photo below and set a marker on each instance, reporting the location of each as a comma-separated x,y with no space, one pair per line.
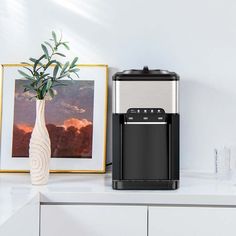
145,126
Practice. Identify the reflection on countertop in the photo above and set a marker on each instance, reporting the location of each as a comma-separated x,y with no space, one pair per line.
195,189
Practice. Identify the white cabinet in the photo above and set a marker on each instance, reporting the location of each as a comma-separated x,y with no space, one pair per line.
93,220
117,220
196,221
24,221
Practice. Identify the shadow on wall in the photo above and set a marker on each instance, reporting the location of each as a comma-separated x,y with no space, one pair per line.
207,122
80,22
111,72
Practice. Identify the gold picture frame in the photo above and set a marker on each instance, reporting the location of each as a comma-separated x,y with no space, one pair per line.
101,170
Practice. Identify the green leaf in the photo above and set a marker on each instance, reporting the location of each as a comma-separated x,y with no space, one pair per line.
43,91
45,50
60,37
41,58
64,67
44,82
50,63
37,61
76,75
45,75
60,54
25,63
33,59
74,70
51,93
73,62
64,75
54,37
55,71
66,46
59,64
26,76
70,77
29,70
36,75
49,84
47,43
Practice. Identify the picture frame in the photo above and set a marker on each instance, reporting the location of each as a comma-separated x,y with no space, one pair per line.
93,79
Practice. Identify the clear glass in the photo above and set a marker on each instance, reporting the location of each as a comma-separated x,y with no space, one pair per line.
233,163
222,163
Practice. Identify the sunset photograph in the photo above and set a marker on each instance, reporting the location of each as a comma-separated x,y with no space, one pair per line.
69,120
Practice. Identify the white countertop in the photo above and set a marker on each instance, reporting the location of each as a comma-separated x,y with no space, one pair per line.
15,194
195,189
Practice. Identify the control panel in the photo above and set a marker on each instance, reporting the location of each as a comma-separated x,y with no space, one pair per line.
145,115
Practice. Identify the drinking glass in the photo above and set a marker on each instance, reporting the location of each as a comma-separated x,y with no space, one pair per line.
222,163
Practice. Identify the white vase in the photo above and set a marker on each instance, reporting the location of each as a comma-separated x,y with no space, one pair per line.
39,147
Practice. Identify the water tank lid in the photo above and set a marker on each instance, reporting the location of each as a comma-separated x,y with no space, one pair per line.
146,74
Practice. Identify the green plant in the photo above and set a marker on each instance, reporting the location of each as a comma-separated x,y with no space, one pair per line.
47,71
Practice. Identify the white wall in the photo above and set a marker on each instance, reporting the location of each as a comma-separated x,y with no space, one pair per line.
197,39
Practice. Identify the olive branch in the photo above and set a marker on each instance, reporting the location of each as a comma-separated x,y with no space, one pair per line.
41,79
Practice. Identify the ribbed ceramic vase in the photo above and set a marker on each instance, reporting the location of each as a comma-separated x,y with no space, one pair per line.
39,148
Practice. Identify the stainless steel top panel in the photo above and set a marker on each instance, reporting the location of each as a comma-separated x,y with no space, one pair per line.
145,94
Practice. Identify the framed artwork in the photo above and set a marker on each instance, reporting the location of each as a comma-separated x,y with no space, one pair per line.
75,118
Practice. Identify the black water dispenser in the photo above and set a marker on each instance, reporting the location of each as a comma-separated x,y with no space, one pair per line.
145,130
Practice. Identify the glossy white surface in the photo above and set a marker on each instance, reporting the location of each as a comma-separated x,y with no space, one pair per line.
195,189
23,221
197,221
95,220
15,193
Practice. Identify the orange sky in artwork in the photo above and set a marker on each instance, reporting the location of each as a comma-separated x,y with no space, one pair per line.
76,123
26,128
67,123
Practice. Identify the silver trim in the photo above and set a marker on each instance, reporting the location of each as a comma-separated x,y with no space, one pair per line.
145,94
114,97
145,123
